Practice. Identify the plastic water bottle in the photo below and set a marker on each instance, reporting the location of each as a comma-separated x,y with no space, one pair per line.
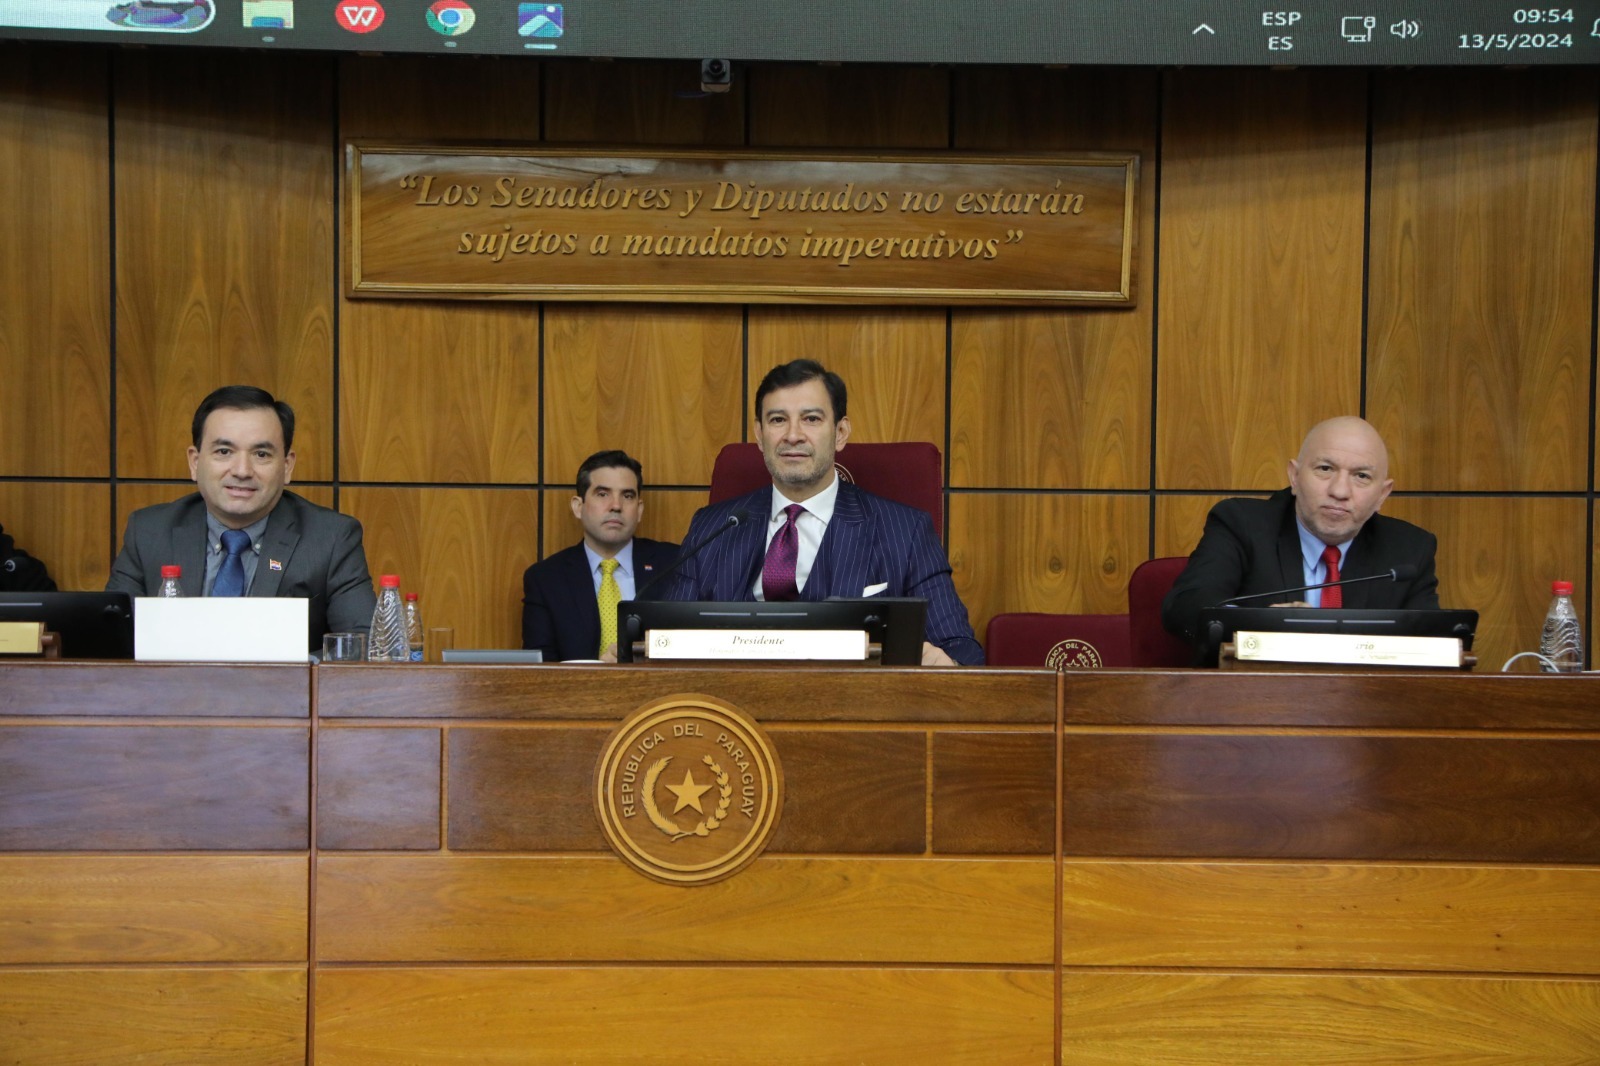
1562,641
169,583
414,627
386,642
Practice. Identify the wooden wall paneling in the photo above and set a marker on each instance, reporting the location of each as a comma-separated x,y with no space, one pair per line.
523,789
462,550
1500,919
68,689
378,788
170,908
153,788
1263,196
640,102
1180,520
1324,797
666,514
1161,1019
418,98
661,383
994,793
1061,554
1498,557
1482,240
855,791
515,909
854,106
1057,398
199,1017
65,525
619,1014
55,263
224,230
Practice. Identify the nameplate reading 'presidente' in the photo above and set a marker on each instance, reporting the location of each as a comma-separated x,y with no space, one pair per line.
742,226
688,790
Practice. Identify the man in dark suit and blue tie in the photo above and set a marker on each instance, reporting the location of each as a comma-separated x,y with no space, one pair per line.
810,535
569,601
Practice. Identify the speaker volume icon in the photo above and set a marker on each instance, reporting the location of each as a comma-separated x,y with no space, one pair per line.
1405,28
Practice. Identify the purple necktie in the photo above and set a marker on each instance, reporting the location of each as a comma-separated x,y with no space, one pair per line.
777,573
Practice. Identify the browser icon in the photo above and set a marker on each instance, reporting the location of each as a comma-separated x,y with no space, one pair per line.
451,18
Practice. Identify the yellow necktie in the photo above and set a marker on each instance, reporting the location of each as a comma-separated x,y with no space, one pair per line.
610,596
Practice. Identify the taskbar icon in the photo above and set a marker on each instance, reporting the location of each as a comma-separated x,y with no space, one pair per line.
540,24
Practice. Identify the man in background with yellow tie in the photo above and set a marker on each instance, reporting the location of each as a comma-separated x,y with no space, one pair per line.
1324,527
569,601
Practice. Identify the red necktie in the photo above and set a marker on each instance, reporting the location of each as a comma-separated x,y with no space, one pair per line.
777,572
1333,597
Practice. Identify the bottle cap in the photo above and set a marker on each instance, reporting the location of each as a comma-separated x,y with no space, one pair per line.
1561,588
171,571
389,581
411,596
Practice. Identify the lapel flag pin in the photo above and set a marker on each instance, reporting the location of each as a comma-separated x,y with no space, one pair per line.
273,564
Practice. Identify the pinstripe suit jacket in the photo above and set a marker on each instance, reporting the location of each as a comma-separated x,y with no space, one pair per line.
870,541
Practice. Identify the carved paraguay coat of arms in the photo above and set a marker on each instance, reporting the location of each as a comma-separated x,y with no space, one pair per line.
688,790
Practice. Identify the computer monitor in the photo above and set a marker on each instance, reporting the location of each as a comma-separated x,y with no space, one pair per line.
92,625
1219,624
895,623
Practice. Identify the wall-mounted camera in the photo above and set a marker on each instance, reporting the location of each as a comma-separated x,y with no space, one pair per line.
716,75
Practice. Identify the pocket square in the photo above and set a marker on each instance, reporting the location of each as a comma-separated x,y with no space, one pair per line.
873,590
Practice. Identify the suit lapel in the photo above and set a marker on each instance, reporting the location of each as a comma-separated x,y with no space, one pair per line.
189,551
277,546
840,556
1358,563
1291,561
585,603
731,581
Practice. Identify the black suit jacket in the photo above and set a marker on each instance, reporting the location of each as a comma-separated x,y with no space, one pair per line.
1253,546
560,616
319,551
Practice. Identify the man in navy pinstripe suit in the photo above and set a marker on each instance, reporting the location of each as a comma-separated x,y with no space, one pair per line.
849,542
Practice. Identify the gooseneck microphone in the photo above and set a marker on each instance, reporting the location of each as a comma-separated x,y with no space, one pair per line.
1403,572
733,521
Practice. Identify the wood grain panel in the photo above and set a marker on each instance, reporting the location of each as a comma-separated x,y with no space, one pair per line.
152,788
640,102
796,105
165,690
65,525
1263,190
1061,554
661,383
1510,589
507,909
994,793
1501,919
55,263
198,1017
411,97
892,363
1057,399
666,516
458,549
171,908
224,230
1416,700
524,789
608,694
1470,799
1479,375
1109,1019
851,792
378,788
1180,520
594,1015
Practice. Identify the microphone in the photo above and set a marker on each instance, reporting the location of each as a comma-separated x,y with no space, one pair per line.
733,521
1403,572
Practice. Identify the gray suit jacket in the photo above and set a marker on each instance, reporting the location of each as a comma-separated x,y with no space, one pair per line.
320,552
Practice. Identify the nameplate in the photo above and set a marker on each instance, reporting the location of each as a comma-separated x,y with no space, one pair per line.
757,644
225,629
21,638
1348,649
742,226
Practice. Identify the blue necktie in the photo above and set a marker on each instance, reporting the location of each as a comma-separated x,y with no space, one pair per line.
230,579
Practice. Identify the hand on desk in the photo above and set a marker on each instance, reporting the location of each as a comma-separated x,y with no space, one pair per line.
935,656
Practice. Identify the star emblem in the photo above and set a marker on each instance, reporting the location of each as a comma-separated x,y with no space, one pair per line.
688,793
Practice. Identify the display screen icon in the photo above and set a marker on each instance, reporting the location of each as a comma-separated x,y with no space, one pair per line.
362,17
540,20
451,18
268,14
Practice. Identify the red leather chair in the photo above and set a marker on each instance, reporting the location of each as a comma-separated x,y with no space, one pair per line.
1151,645
1064,641
908,472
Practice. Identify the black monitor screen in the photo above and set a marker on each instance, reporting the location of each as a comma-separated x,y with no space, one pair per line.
92,625
895,623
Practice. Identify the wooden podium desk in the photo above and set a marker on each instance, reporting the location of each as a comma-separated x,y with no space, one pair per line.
402,864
